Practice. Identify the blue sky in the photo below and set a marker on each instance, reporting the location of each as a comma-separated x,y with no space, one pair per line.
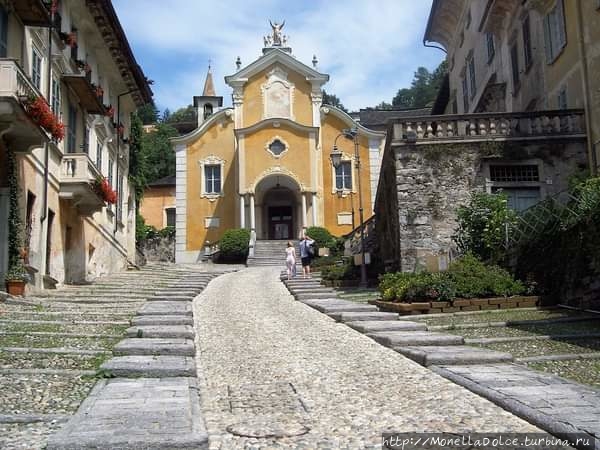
370,49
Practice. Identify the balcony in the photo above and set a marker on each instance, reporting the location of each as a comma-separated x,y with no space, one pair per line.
87,93
77,175
19,131
489,127
33,13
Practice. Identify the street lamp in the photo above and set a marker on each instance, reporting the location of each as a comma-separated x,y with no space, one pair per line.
336,161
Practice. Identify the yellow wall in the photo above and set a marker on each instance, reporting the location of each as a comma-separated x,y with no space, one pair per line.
218,140
331,128
258,159
155,200
253,106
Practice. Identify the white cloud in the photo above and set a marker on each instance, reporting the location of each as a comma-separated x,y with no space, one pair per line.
370,49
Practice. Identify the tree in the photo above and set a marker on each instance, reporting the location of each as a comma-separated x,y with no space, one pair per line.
158,154
186,114
148,114
137,162
333,100
423,88
384,105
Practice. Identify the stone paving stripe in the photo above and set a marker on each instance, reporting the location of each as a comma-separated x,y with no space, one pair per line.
63,372
161,331
484,341
374,326
342,307
415,338
559,357
155,346
360,316
457,354
546,405
50,334
162,320
166,308
57,350
171,298
315,295
150,366
128,414
33,418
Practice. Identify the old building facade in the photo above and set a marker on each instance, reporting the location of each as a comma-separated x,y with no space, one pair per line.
515,115
264,163
73,57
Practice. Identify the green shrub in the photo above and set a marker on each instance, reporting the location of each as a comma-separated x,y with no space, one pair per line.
321,236
233,245
473,278
466,278
482,225
167,232
325,261
346,271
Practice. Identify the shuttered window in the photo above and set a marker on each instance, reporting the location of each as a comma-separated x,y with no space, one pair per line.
555,36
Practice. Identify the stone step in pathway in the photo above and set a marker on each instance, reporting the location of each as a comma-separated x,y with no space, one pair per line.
415,338
155,346
330,306
141,413
158,354
161,331
552,403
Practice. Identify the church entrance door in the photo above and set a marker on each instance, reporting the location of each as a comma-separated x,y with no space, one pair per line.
281,223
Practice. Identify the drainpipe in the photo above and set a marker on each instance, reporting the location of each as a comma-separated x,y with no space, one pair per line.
46,144
592,160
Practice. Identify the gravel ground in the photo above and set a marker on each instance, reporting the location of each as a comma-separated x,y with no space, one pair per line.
16,340
592,326
583,371
500,316
521,349
42,394
26,436
269,364
18,360
88,328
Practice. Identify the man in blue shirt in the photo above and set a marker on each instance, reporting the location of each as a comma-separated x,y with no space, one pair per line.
306,255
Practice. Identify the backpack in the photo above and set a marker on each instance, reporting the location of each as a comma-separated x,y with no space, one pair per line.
311,250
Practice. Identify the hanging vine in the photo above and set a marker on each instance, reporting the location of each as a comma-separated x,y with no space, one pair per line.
16,270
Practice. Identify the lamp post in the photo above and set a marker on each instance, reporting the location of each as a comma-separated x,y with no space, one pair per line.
336,160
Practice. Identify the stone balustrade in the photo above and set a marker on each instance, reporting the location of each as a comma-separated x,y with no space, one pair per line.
489,126
14,82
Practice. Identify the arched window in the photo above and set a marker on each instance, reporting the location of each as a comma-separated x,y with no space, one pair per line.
208,110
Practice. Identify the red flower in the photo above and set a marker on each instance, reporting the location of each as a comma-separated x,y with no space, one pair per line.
103,189
72,39
110,111
41,113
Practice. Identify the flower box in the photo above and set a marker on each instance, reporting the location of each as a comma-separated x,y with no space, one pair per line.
102,187
40,112
457,305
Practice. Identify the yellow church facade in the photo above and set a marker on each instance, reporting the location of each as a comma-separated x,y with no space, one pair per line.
264,163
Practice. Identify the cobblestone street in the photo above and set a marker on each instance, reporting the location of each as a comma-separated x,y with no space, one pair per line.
275,373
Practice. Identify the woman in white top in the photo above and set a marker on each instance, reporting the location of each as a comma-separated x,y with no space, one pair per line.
290,259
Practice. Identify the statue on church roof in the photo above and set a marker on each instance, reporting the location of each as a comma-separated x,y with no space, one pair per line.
277,36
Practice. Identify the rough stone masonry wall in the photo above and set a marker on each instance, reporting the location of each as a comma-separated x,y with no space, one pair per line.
432,180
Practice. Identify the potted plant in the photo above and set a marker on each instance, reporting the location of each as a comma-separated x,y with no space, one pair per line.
16,278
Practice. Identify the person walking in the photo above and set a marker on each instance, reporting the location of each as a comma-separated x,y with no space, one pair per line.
306,255
290,260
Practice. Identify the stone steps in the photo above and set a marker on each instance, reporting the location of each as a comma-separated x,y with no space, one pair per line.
161,331
453,355
155,346
415,338
162,320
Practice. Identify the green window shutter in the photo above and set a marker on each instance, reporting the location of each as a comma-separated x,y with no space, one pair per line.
547,39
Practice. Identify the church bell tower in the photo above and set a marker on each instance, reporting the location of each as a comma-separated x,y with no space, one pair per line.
208,103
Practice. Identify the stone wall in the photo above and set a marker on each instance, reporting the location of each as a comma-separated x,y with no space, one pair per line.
431,180
158,248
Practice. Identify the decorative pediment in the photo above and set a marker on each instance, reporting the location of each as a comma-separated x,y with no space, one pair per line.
278,95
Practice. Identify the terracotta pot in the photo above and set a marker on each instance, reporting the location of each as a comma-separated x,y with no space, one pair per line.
15,287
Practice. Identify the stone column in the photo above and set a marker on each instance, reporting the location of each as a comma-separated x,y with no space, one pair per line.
314,209
242,211
252,214
303,211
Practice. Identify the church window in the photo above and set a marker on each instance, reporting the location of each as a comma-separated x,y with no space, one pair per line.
277,147
343,175
208,110
212,178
